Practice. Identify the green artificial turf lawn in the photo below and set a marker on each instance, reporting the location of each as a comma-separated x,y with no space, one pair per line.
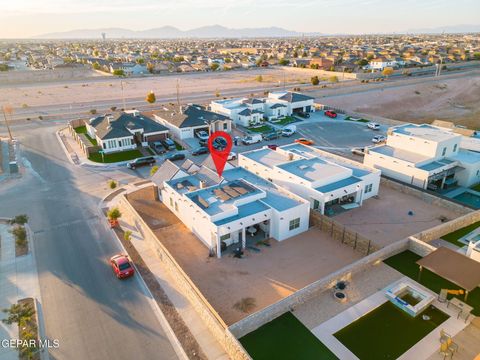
260,129
83,130
454,236
285,338
286,120
116,157
476,187
405,262
387,332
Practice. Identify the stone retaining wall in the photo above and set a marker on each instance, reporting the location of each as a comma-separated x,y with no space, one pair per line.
208,314
419,247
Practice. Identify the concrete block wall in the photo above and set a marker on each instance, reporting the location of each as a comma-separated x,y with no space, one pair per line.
208,314
448,227
425,196
420,247
256,320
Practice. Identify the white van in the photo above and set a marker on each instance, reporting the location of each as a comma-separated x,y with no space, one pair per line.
252,139
289,130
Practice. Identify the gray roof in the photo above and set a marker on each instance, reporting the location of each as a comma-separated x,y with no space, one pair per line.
246,112
188,116
295,97
277,105
119,125
165,172
252,101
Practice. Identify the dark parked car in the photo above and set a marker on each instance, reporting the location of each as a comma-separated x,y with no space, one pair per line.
203,142
199,151
143,161
168,144
219,143
270,136
158,147
175,157
303,114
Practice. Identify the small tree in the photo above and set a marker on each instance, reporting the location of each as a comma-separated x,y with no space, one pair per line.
153,170
112,184
315,80
214,66
93,111
127,235
20,234
21,219
113,108
284,62
96,66
151,97
259,78
119,72
333,79
114,214
217,93
18,314
387,71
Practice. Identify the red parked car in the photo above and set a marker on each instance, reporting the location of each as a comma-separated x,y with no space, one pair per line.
122,266
331,114
272,146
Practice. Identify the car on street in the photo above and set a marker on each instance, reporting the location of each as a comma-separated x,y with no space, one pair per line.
122,266
232,156
303,114
176,157
168,144
331,114
270,136
158,147
139,162
379,139
304,141
200,151
252,139
272,146
219,143
358,151
373,126
202,135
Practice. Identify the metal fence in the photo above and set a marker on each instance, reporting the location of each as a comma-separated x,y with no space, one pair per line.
340,232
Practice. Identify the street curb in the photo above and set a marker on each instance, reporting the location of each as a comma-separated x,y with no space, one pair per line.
57,134
160,316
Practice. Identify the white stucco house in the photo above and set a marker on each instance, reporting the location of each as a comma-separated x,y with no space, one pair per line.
324,180
295,102
184,121
425,156
243,111
236,210
124,131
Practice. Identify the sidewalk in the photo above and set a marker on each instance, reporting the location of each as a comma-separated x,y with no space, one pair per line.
18,280
211,348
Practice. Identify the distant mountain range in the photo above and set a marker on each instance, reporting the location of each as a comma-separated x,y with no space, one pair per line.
170,32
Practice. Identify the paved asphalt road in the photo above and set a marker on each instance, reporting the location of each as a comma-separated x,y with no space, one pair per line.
94,315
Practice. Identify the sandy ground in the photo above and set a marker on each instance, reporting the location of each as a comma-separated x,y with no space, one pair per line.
268,276
454,99
89,89
385,220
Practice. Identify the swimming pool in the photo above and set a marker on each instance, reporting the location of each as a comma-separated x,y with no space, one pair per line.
469,198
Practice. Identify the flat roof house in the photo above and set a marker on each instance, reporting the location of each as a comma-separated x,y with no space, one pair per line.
243,111
324,180
425,156
234,211
184,121
295,102
124,131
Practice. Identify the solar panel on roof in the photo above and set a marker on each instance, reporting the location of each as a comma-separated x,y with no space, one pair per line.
231,191
241,190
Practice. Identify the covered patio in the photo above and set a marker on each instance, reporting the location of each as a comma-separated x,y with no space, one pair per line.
452,266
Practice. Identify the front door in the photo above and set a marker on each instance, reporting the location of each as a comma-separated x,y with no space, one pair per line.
316,204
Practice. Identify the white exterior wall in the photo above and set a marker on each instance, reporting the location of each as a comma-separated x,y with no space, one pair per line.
469,176
112,145
280,223
374,180
398,169
432,149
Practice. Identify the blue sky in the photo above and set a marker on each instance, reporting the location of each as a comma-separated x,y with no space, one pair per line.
23,18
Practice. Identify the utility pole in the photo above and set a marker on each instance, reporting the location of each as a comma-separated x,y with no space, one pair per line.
178,93
7,109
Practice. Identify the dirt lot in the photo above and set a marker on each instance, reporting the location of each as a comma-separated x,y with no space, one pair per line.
386,220
266,277
456,99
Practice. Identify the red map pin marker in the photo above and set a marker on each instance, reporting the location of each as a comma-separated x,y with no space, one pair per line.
219,144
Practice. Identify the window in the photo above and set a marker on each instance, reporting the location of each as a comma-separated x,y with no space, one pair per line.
171,202
224,237
104,145
294,224
455,148
176,206
225,126
368,188
444,151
